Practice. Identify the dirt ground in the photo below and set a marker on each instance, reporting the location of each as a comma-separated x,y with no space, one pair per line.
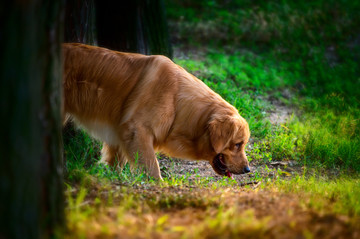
248,211
201,169
285,215
193,212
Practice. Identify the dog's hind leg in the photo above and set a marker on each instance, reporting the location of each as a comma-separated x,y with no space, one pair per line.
112,156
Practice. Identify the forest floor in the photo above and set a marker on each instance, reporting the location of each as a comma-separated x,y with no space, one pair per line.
194,202
192,212
205,206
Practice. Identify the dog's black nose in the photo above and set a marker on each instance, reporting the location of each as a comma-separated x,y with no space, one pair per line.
247,169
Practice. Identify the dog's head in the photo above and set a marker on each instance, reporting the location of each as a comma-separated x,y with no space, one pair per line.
229,135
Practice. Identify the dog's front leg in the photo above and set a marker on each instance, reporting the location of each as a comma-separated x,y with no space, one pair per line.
138,145
112,156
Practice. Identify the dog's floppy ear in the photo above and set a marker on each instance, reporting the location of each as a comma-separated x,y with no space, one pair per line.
222,130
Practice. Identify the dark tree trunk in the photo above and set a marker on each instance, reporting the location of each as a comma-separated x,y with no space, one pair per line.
133,26
31,188
80,21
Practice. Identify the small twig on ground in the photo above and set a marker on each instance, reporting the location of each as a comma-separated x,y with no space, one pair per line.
257,185
249,183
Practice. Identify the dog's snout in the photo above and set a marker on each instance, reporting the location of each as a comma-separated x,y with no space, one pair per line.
247,169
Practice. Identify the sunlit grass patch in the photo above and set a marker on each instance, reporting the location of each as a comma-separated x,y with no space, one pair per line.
320,139
286,207
158,212
125,211
340,195
230,222
333,140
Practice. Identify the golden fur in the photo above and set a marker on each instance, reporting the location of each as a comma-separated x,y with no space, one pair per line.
139,104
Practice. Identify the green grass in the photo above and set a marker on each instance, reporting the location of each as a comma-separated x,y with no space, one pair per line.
199,213
326,132
310,46
340,195
82,155
262,50
332,140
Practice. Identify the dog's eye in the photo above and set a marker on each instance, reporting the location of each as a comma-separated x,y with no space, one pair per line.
238,145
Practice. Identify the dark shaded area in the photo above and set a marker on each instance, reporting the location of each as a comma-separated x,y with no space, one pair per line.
31,186
80,21
133,26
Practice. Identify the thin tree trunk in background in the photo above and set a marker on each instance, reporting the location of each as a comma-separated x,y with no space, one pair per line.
133,26
116,25
80,21
152,22
31,187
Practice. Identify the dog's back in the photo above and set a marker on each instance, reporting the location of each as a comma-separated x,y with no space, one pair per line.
108,88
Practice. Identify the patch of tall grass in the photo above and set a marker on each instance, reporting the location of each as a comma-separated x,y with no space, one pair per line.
82,153
319,139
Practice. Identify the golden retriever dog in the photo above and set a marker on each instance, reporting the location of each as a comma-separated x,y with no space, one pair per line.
138,105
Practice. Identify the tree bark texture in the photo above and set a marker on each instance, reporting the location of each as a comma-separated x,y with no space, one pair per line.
31,187
133,26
